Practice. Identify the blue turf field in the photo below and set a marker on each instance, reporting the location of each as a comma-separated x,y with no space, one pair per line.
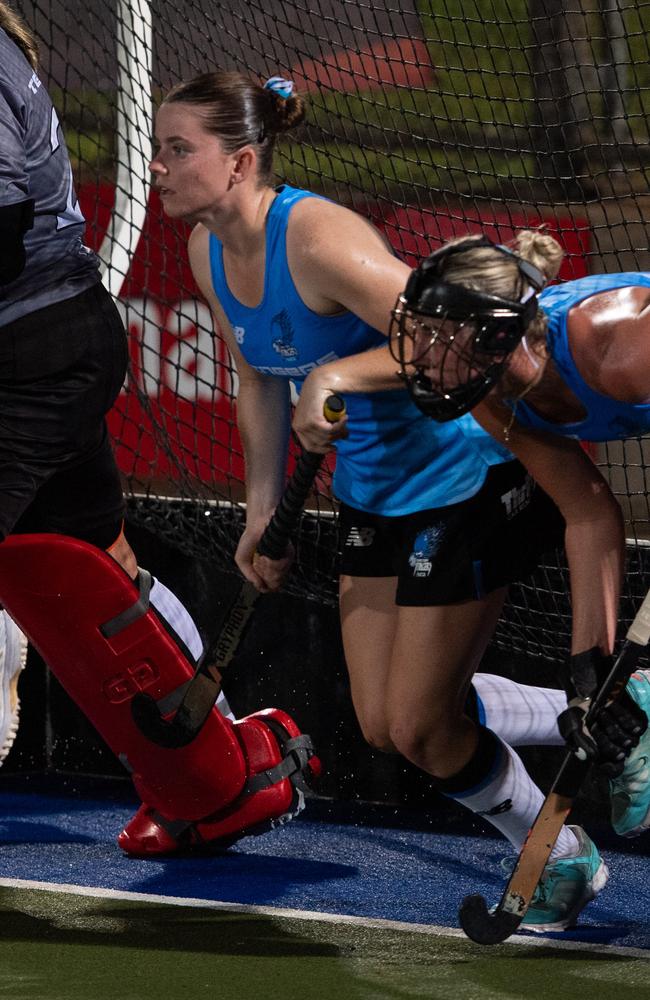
314,864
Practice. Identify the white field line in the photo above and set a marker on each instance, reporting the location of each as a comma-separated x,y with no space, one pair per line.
538,940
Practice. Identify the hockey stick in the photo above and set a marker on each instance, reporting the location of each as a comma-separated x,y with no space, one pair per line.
193,701
487,927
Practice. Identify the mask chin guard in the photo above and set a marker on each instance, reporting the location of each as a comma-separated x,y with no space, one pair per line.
443,407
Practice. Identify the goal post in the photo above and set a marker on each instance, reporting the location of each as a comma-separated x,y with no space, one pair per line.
134,116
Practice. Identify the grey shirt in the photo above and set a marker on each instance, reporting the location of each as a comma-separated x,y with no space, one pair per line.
34,164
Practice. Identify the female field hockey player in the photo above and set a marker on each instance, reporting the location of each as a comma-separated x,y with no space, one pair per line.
435,520
576,367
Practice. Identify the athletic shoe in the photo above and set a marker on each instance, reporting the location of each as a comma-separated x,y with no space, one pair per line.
630,792
565,888
13,654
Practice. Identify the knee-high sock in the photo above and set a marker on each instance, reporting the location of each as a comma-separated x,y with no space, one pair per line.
522,715
176,614
495,785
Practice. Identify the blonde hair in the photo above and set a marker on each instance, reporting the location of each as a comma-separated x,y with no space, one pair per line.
22,36
486,269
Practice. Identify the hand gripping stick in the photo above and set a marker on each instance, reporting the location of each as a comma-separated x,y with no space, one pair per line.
195,701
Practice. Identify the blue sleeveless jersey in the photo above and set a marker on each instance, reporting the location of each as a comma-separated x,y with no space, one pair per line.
395,460
606,419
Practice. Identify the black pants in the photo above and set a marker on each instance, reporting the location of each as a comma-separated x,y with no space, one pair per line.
61,370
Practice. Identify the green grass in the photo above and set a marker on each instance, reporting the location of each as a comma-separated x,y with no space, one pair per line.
55,946
400,173
469,134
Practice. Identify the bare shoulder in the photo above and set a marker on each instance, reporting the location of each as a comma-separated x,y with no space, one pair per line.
321,225
199,258
609,334
198,252
197,244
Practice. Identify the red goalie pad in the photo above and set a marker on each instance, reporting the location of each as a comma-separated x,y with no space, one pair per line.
85,617
281,764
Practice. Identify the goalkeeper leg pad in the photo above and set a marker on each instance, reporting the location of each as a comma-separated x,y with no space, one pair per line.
281,764
92,626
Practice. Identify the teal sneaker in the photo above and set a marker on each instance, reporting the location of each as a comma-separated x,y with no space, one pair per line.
630,792
565,888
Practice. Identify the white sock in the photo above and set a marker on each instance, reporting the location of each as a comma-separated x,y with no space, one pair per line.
522,715
510,800
176,614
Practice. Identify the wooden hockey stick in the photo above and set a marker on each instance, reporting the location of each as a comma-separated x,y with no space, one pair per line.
192,702
487,927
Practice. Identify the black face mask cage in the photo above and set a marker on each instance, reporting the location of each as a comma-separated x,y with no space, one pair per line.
464,370
466,335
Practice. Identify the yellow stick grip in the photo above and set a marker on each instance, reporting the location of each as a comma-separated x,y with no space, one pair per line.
334,408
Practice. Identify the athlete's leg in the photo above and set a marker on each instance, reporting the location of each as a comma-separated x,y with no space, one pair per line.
79,608
368,625
521,714
411,665
434,652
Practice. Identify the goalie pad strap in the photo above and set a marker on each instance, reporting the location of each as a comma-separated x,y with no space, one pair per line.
117,624
298,752
174,827
172,700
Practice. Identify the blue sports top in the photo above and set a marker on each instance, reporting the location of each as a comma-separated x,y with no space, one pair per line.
395,460
34,164
606,419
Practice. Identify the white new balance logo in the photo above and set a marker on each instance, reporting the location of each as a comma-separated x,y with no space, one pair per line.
360,538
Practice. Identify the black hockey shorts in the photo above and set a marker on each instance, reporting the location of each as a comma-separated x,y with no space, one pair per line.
458,553
61,370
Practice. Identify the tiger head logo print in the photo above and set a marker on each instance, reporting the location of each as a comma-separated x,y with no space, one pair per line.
426,544
282,335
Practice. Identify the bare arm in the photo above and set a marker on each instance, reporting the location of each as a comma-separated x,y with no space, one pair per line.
594,535
263,420
340,262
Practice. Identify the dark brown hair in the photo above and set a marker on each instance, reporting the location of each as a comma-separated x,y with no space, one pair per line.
19,33
241,112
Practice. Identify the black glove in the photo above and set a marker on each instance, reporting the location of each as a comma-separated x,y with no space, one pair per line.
616,729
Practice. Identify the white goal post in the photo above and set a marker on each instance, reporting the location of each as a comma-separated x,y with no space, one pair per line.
134,145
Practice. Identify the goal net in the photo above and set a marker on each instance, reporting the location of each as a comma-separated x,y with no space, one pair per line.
431,117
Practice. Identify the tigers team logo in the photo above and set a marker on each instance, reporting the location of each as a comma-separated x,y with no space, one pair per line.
425,547
283,343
